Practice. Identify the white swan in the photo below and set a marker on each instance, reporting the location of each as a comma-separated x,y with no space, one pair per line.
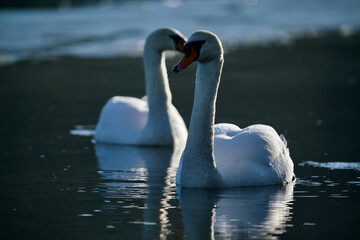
225,155
151,120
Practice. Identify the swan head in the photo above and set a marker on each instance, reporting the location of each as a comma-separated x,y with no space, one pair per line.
202,46
165,39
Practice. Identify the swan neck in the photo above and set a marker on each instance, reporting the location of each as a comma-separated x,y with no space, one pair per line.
200,142
156,80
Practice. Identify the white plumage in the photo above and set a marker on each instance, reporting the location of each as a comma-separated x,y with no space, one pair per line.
151,120
223,155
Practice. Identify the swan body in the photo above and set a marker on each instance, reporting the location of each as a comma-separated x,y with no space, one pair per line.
151,120
223,155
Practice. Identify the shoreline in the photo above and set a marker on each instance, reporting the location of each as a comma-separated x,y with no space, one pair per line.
284,40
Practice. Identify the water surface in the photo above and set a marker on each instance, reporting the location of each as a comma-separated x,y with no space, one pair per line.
57,185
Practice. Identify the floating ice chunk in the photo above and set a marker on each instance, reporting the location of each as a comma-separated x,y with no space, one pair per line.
309,224
143,223
83,130
332,165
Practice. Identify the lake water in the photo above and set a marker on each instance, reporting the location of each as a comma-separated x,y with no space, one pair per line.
68,187
56,183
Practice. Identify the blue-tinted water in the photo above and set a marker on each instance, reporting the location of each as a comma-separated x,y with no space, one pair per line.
123,25
56,183
139,182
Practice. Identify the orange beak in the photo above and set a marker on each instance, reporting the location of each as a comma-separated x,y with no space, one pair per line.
186,60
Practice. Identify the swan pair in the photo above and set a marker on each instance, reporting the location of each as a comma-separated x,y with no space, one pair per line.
215,156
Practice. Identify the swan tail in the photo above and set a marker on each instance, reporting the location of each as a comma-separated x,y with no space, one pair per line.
144,98
283,139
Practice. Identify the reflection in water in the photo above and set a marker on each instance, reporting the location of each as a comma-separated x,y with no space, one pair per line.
149,174
141,172
241,213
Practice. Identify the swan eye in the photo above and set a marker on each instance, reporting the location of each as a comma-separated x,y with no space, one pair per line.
196,45
187,50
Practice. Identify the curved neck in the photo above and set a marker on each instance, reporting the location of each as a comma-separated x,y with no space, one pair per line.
200,143
156,80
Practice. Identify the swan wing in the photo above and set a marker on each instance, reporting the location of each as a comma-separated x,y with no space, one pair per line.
225,130
252,156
